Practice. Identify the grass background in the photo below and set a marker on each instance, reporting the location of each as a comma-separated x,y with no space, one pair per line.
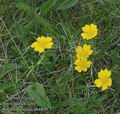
69,92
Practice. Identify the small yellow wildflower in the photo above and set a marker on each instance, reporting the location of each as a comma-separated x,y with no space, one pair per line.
42,43
104,80
82,65
89,31
84,52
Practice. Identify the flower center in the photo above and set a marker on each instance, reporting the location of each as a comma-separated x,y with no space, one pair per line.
104,80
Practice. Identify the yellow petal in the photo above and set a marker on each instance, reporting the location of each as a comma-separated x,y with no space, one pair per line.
49,39
39,49
79,49
104,87
107,73
49,45
89,63
34,44
93,27
84,35
86,28
77,62
109,82
87,47
87,50
104,74
40,39
78,68
98,82
100,74
78,55
84,69
87,36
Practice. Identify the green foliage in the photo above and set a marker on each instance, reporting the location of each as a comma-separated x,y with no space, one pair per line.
37,93
60,87
8,113
113,1
26,8
13,113
48,5
67,4
57,4
6,68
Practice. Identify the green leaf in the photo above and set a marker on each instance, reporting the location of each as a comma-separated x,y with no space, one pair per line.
67,4
6,68
48,5
37,93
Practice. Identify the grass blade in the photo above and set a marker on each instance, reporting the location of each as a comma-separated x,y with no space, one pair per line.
48,5
113,1
67,4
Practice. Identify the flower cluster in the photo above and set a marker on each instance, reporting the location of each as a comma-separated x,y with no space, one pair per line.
82,62
82,53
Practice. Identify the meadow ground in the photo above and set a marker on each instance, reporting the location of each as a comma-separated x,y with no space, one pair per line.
49,79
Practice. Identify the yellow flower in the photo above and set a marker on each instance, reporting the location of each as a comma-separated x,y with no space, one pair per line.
84,52
42,43
82,65
104,80
89,31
